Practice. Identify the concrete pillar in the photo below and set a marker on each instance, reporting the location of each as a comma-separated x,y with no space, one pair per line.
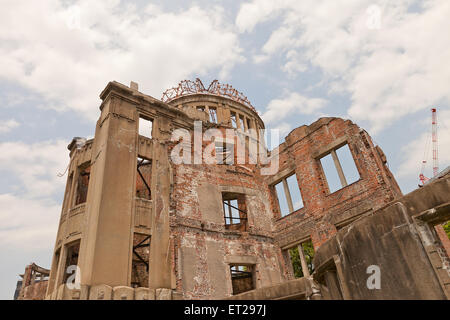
106,249
160,275
288,196
339,169
59,276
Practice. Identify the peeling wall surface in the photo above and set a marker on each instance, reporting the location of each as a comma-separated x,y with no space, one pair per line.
174,229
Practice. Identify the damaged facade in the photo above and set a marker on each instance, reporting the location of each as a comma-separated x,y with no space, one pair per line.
139,225
33,283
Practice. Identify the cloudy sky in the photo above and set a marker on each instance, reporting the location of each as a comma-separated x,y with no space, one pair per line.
382,64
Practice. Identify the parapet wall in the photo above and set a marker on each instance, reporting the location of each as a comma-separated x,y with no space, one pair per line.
399,242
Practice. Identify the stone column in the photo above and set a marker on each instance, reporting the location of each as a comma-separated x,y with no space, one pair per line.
160,258
106,248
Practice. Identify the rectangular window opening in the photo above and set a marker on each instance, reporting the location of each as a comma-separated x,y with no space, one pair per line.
289,195
84,174
143,178
300,259
242,123
248,125
339,168
235,211
233,120
212,115
224,152
72,250
145,127
242,278
140,262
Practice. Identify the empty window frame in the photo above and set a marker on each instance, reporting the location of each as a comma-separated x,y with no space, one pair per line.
84,174
301,258
289,195
146,127
224,152
242,278
72,251
212,114
339,168
242,123
248,125
141,254
235,211
143,179
233,120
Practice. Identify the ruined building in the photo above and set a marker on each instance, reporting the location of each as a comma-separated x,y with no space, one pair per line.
33,283
303,221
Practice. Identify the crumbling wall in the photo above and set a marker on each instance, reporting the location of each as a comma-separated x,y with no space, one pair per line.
392,253
205,249
324,212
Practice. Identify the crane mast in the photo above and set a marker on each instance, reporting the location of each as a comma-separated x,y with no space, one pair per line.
434,139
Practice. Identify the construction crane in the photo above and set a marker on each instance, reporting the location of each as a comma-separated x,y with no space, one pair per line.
434,139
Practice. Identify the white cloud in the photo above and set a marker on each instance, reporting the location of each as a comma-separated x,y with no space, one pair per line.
68,54
388,72
250,14
35,165
413,152
284,128
292,104
28,224
8,125
28,211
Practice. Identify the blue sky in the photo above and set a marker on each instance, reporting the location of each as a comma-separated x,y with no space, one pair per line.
382,64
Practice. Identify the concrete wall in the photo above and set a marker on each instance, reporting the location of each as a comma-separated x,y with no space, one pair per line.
401,241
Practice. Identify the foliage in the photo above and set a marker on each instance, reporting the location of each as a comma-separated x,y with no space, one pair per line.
308,251
447,228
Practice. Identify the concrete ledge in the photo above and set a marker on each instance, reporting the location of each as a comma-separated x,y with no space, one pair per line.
298,289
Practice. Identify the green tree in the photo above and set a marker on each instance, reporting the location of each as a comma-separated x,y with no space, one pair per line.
308,251
447,228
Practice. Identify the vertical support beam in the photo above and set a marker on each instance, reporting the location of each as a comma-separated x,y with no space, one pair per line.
160,275
33,277
73,190
288,196
60,269
105,250
303,261
238,121
245,124
339,169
